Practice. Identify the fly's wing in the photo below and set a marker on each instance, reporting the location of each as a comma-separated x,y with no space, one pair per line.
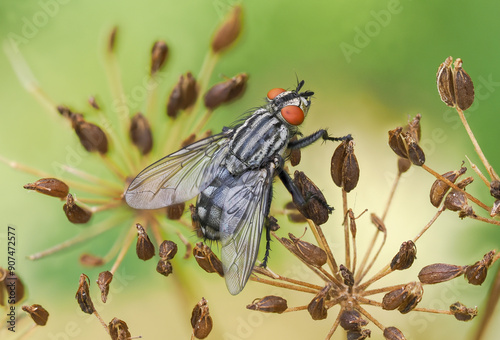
180,176
241,225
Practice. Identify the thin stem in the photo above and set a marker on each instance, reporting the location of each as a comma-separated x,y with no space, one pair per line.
428,225
295,309
383,272
283,285
370,302
323,244
359,275
101,321
488,312
334,326
478,172
369,316
430,310
454,186
484,219
85,235
381,290
91,178
372,262
131,235
479,152
347,239
391,195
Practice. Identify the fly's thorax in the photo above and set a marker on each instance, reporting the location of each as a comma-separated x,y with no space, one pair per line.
254,144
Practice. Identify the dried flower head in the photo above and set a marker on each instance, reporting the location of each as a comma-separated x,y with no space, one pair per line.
201,321
37,313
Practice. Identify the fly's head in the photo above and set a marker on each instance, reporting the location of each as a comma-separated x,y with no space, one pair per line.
290,106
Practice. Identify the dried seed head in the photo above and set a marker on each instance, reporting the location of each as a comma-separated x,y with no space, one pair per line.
351,320
37,313
49,186
405,257
462,313
112,39
174,212
403,165
118,330
90,260
346,275
394,298
444,79
476,274
457,201
145,249
207,259
164,267
140,133
415,153
495,189
465,182
295,154
183,95
225,91
228,32
344,166
201,321
269,304
308,252
392,333
316,207
359,334
103,281
439,272
167,250
91,136
159,54
74,212
440,188
464,88
415,292
83,295
10,292
317,307
397,142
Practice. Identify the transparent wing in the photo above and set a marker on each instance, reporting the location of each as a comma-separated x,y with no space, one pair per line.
241,226
180,176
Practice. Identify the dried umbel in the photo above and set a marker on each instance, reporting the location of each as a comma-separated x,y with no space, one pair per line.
226,91
405,257
118,330
140,133
74,212
201,321
145,249
455,85
462,313
49,186
103,282
207,259
315,207
344,166
83,295
440,188
269,304
37,313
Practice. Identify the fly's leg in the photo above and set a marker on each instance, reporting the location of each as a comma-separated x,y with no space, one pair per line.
308,140
270,225
297,196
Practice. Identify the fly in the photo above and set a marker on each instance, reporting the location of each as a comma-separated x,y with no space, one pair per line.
232,174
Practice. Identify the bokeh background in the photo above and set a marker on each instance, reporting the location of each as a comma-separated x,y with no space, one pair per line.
371,64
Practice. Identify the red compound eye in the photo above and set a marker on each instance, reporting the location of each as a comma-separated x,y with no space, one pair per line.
274,92
293,114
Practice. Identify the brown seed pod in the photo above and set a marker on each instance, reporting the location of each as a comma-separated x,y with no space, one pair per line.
403,165
462,313
103,281
228,32
394,298
397,142
351,320
344,166
140,133
495,189
201,321
440,188
316,207
476,274
167,250
415,293
93,102
90,260
9,292
317,307
37,313
392,333
164,267
183,95
361,334
439,272
346,275
83,295
159,54
269,304
444,79
415,153
295,154
49,186
145,249
225,91
174,212
74,212
308,252
405,257
463,86
457,201
118,330
91,136
207,259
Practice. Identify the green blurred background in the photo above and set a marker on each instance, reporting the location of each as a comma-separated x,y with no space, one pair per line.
371,64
